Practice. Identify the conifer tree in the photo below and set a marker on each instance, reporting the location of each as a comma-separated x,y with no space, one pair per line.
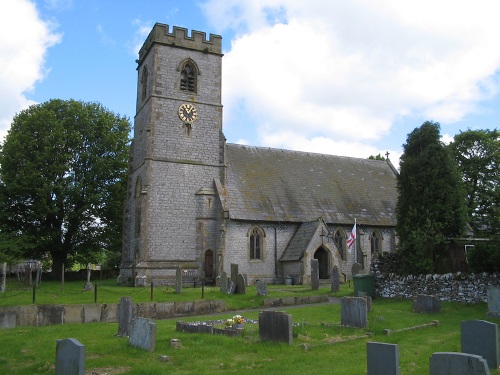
430,209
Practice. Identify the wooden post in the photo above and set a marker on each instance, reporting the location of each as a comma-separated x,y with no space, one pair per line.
4,277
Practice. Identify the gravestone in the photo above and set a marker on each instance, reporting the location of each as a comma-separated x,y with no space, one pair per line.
178,280
275,326
450,363
368,300
70,357
143,334
493,294
426,304
481,338
231,287
261,288
125,316
88,284
382,359
241,287
335,279
356,268
234,272
314,274
353,312
223,282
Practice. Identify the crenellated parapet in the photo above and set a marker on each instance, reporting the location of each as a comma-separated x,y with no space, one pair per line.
179,38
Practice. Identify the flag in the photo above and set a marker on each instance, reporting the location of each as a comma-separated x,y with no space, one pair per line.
352,237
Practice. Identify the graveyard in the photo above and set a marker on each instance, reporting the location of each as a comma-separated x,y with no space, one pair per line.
320,339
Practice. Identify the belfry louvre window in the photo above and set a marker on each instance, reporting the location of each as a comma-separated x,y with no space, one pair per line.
188,77
256,241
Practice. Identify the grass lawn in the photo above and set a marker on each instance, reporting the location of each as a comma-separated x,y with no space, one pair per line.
31,350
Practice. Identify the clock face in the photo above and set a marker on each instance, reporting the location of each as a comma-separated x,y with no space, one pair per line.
188,113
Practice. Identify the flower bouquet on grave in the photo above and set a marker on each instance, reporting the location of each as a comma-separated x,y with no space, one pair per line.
238,321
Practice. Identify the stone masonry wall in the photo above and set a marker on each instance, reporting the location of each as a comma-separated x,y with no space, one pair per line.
457,287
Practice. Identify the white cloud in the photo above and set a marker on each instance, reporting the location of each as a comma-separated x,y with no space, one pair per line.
24,40
143,29
348,70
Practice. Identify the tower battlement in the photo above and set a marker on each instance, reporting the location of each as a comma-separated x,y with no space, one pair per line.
179,38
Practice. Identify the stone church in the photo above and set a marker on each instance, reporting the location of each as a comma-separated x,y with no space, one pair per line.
201,204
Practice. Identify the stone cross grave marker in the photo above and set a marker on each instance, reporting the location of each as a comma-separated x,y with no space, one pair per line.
335,279
314,274
426,304
481,338
178,280
125,316
275,326
88,284
261,288
353,312
143,334
382,359
223,282
451,363
493,294
70,357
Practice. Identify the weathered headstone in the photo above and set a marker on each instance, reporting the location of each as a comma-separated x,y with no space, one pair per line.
335,279
125,316
493,294
353,312
241,287
234,272
314,274
451,363
231,287
143,334
70,357
368,300
481,338
275,326
382,358
178,280
261,288
223,282
356,268
426,304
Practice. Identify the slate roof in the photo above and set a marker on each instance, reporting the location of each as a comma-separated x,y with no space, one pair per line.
265,184
300,241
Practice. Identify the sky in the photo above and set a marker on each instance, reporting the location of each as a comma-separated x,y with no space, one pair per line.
349,78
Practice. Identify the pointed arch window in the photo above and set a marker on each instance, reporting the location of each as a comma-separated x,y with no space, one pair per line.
340,240
376,242
188,77
256,244
144,83
138,208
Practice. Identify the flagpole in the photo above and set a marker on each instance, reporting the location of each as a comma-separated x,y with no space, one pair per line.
355,244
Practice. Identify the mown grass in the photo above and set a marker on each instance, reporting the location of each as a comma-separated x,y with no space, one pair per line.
31,350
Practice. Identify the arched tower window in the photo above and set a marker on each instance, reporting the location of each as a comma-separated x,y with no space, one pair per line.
376,242
144,82
138,208
340,240
256,244
189,75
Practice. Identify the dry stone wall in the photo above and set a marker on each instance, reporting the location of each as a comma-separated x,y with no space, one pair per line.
458,287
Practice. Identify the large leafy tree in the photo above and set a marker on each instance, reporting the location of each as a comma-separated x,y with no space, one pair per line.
63,181
430,208
477,153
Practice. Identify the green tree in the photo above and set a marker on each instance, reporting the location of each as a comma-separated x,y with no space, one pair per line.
63,181
376,157
430,208
477,153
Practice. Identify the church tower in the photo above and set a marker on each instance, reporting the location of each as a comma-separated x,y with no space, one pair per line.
171,211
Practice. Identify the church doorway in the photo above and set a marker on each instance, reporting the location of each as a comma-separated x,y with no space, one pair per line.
209,264
322,256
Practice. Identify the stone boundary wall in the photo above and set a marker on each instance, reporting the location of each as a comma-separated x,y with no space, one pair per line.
457,287
44,315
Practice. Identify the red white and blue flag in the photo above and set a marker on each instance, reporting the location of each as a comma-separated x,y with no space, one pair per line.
352,237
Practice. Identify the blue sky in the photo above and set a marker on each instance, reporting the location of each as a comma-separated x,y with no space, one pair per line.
340,77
